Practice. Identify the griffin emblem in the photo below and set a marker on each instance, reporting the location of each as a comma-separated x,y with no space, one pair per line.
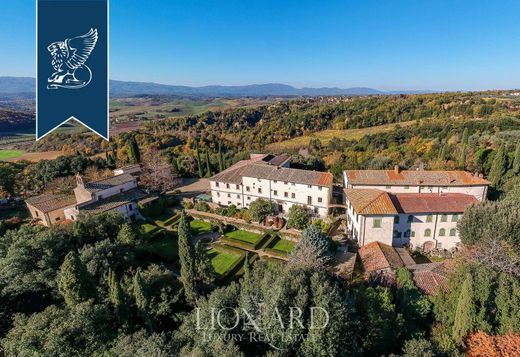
68,60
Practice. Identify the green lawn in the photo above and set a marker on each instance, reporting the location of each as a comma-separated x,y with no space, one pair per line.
284,245
9,154
199,227
221,262
244,236
148,229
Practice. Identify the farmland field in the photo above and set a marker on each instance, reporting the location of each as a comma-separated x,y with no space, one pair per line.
10,154
327,135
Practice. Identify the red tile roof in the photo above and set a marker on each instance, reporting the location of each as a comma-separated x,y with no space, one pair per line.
370,201
414,178
379,256
49,202
432,202
432,277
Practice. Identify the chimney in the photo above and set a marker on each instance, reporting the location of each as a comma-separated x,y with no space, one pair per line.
397,169
79,180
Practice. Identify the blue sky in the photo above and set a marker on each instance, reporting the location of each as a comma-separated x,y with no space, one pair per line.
416,44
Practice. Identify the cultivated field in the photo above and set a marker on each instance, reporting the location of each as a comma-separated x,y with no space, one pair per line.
327,135
32,156
6,155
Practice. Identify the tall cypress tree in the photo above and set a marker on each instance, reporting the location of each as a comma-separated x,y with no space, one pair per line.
465,312
74,281
199,161
498,168
116,295
208,164
186,258
133,150
221,165
141,298
516,162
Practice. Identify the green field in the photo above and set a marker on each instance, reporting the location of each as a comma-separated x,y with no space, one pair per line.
327,135
221,262
244,236
284,245
9,154
199,227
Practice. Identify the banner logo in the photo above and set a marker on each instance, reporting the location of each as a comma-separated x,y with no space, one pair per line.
72,65
68,60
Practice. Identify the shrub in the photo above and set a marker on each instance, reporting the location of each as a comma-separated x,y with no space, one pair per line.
298,217
201,207
260,208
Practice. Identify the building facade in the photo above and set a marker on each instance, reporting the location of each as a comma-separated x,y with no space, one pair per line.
417,181
417,220
271,178
48,209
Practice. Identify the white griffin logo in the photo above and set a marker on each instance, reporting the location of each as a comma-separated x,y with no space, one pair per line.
68,60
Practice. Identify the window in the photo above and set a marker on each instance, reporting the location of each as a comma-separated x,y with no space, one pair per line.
293,195
388,187
397,234
121,190
274,181
249,198
455,218
309,200
259,190
248,189
218,194
286,194
238,196
442,232
396,220
453,232
319,188
427,232
309,186
320,200
376,223
439,245
285,183
406,187
444,218
407,233
429,218
229,195
275,193
412,234
237,187
57,218
216,184
410,219
227,185
228,202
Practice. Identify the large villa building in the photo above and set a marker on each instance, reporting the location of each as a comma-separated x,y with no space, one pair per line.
419,208
271,178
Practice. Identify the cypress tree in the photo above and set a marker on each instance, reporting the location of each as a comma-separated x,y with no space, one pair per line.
208,165
204,270
507,301
141,298
74,281
133,150
442,152
516,162
115,294
199,161
498,168
464,319
221,165
186,258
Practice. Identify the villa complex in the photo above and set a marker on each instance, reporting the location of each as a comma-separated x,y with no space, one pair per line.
271,178
412,208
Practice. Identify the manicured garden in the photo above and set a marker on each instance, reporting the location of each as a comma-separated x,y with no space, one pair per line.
199,227
284,245
244,236
223,262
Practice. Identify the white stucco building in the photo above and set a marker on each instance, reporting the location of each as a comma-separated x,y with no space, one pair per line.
417,181
418,220
119,193
270,177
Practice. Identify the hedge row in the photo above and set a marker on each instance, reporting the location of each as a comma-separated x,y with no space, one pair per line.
276,253
222,248
237,243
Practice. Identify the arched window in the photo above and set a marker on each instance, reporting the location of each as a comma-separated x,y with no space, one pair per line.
427,232
442,232
453,232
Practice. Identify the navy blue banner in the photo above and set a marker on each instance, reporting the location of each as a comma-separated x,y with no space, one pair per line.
72,65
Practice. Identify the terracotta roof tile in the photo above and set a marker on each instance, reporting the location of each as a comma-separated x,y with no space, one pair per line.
49,202
414,178
367,201
379,256
432,202
109,182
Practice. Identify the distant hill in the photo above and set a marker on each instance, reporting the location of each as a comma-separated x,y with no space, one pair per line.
18,85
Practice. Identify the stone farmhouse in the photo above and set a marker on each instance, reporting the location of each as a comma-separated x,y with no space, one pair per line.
419,209
271,177
119,193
